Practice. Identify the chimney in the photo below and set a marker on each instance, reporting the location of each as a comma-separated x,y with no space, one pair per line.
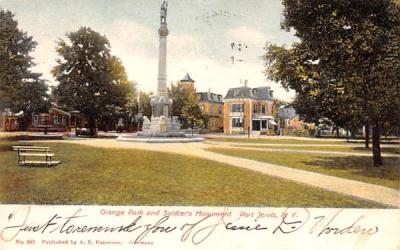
245,83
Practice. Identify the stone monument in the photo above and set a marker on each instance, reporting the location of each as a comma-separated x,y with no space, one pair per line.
161,123
161,127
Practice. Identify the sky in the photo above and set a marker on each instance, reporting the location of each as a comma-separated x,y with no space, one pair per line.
200,41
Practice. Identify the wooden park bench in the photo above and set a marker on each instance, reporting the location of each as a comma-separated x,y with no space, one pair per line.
26,154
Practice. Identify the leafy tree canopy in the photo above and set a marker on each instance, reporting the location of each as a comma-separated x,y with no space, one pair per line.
20,88
346,64
144,104
185,106
91,80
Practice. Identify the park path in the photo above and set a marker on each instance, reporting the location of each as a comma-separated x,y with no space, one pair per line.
366,191
279,148
349,145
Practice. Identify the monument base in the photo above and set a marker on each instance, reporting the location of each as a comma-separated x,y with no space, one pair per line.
160,139
162,127
161,130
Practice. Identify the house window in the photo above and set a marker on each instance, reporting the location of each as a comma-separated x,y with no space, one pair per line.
55,120
220,110
235,92
255,108
237,108
36,119
263,124
237,122
263,109
212,109
63,120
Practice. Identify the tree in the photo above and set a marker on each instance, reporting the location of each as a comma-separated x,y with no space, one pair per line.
179,96
185,106
20,88
348,56
124,94
132,106
91,80
144,104
192,115
276,105
316,97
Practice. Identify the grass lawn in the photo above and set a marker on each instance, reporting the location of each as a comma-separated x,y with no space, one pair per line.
339,148
351,167
91,175
275,141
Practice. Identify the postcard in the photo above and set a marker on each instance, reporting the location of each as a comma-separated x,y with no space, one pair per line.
199,124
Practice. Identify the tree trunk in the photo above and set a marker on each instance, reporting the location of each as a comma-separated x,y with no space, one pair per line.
92,125
376,148
367,135
353,134
347,135
337,132
26,122
45,125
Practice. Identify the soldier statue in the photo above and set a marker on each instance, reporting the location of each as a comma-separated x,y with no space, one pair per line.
164,7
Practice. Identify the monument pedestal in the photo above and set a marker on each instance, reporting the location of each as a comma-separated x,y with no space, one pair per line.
161,124
161,105
162,127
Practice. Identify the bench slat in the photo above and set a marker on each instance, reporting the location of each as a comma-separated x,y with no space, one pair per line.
40,163
30,147
36,154
33,150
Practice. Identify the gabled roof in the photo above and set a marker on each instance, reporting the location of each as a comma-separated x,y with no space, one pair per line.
260,93
286,112
58,111
187,78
